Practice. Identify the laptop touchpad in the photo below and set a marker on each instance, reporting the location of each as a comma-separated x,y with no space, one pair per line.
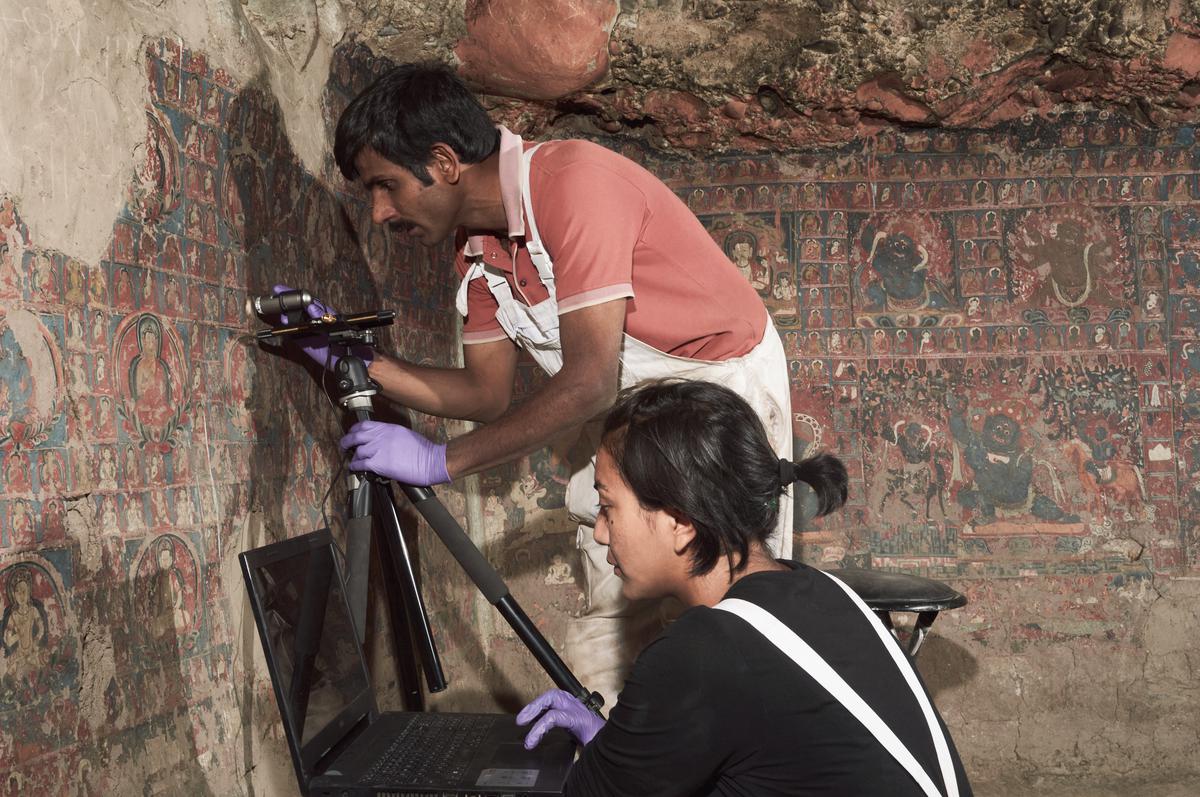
511,766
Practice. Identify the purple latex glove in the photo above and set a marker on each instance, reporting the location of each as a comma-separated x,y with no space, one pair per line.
562,710
397,453
317,346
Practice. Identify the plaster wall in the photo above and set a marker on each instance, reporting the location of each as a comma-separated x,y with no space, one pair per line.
996,330
161,163
147,439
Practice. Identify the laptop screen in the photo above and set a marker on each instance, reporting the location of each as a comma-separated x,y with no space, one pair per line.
311,636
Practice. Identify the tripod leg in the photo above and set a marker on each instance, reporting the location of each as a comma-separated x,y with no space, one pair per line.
358,554
407,669
496,591
407,588
359,533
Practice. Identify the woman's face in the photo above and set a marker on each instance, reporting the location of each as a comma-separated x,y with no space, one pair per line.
641,543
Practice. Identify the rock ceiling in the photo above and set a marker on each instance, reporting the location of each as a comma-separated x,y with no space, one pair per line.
712,75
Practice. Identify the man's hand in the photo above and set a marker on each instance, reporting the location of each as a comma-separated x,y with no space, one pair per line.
317,346
562,710
397,453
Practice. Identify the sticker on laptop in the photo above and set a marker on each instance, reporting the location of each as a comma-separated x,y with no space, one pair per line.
520,778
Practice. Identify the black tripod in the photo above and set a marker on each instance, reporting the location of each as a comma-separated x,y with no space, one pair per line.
372,508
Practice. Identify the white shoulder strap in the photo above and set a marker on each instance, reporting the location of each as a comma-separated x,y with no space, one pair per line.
495,280
811,662
905,665
460,299
533,241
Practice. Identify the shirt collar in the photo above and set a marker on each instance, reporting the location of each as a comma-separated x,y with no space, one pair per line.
511,149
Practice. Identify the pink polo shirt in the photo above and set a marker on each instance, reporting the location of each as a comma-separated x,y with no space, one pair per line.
614,231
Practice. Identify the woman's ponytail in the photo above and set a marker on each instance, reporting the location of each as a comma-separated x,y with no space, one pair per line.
826,475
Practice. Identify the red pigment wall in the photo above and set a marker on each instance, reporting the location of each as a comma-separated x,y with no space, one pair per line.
996,330
146,439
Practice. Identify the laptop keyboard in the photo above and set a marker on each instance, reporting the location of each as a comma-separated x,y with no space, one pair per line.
432,748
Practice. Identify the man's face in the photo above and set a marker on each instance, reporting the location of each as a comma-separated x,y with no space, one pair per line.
640,544
404,203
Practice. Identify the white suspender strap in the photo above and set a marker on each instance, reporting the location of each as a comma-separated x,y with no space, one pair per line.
811,662
904,664
460,300
533,241
495,280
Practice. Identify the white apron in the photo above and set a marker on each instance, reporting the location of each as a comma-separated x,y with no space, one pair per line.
759,376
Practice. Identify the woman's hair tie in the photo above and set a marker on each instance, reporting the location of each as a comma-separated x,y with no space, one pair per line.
787,472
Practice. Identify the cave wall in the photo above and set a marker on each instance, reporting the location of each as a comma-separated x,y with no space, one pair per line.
147,439
1027,441
989,217
997,331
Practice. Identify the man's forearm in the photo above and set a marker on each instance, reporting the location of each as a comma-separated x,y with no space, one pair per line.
557,407
445,392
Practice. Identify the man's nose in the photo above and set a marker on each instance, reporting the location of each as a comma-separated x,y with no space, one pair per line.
381,209
600,532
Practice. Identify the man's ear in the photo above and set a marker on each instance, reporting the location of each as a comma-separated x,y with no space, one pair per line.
444,162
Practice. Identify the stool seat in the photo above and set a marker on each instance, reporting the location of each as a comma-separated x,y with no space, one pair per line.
885,592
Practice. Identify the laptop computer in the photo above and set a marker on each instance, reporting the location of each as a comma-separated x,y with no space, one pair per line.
340,743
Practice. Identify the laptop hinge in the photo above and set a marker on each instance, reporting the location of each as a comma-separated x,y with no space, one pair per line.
347,739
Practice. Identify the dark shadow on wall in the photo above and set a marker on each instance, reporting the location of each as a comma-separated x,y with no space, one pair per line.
296,233
164,631
314,233
944,664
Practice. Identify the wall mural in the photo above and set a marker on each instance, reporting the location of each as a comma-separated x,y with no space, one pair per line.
36,632
140,425
998,331
999,327
151,380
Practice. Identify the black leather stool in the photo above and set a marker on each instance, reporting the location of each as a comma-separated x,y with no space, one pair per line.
886,592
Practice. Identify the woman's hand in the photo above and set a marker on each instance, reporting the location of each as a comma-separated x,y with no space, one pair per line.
559,710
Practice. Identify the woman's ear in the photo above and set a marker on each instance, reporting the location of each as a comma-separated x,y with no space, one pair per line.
682,531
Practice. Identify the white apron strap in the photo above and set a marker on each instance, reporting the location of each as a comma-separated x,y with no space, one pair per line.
811,662
533,241
460,299
496,283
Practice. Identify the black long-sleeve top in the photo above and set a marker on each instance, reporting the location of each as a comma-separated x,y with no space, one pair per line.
714,708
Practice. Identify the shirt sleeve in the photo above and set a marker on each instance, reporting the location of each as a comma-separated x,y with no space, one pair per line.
670,729
590,218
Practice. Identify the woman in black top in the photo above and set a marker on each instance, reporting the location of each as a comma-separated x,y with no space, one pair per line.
689,490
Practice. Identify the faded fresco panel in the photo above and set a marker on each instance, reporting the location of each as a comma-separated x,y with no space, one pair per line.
903,269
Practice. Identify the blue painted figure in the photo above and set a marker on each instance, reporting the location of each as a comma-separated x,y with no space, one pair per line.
902,266
1003,472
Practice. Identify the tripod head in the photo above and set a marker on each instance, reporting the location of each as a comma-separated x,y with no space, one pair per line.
350,331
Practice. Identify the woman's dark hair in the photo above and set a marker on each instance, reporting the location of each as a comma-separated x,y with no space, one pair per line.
698,449
406,111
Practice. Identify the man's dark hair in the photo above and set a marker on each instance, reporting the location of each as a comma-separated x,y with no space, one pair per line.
697,449
409,109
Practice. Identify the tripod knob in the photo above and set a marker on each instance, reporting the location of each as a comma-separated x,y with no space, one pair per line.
354,388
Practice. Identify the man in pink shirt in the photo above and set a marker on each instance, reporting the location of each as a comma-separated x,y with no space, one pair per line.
578,256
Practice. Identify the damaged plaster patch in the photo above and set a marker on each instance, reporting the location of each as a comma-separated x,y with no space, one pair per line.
80,67
26,330
97,660
1173,624
296,46
66,163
